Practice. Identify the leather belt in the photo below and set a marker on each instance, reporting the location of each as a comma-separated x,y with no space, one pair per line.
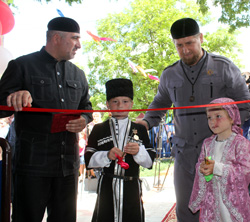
125,178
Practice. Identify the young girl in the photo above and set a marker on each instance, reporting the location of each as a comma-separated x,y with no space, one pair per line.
220,189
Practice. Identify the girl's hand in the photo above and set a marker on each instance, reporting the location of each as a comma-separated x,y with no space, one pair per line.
207,169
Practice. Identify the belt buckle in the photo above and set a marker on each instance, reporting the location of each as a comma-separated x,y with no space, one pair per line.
127,178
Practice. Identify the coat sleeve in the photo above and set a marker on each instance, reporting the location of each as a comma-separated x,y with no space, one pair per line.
91,147
199,186
85,103
146,142
146,154
236,177
240,167
10,82
161,100
234,81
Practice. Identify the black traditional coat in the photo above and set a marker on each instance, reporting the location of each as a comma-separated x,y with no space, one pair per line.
119,191
53,85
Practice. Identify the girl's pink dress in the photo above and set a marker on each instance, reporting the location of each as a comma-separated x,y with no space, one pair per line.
233,183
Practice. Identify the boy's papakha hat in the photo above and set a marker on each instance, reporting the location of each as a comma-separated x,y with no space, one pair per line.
119,87
63,24
184,27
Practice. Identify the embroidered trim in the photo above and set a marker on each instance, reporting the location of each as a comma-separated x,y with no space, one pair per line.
91,149
104,140
117,184
226,201
223,182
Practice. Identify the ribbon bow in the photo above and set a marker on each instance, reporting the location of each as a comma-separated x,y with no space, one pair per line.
123,164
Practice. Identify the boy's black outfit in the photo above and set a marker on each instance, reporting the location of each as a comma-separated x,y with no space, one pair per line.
117,185
119,190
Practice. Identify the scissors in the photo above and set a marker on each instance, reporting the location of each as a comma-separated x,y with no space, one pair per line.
206,157
128,142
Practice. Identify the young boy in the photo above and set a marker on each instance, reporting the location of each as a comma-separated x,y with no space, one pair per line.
119,190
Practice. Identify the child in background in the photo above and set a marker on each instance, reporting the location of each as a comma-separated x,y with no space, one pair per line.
82,144
119,190
220,189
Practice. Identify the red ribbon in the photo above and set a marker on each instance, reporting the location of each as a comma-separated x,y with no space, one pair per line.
120,161
28,109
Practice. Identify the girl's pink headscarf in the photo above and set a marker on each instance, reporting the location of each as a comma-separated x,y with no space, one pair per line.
233,112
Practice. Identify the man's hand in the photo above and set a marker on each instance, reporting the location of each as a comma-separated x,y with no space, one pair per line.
76,125
113,151
19,100
142,122
131,148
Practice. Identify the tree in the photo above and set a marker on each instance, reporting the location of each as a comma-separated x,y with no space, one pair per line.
142,34
233,12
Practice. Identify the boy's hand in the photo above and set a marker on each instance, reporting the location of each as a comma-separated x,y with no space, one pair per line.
113,151
207,168
131,148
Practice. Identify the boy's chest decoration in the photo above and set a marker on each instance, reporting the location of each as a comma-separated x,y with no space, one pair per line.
136,137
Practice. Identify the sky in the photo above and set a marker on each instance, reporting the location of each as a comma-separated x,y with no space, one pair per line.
32,17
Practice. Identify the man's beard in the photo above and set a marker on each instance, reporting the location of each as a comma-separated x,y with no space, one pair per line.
192,61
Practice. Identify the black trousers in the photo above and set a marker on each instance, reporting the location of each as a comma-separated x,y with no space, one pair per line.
32,195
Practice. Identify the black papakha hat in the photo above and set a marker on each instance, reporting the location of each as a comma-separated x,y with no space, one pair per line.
119,87
63,24
184,27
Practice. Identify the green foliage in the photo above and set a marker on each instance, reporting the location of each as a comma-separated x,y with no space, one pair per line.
163,166
223,43
233,12
143,35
